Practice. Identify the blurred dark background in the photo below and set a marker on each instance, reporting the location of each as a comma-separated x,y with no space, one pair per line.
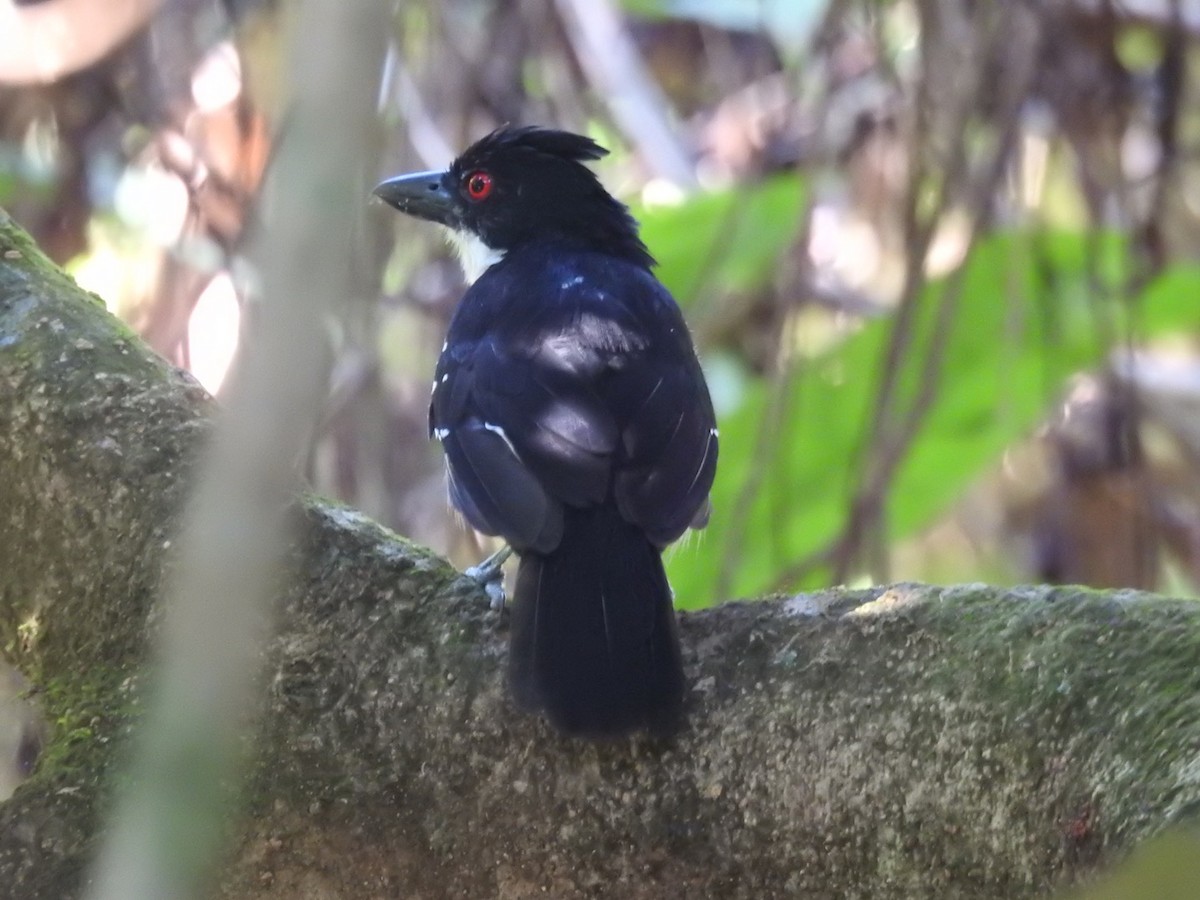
940,256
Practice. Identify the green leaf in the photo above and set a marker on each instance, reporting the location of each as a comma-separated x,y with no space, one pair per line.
724,242
1166,867
1031,311
1172,301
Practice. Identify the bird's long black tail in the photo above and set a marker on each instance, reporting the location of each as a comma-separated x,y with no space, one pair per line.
594,644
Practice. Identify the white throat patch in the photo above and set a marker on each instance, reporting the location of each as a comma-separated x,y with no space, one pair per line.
474,255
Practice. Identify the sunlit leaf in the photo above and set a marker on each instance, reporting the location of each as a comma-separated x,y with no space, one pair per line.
727,241
1165,868
1031,311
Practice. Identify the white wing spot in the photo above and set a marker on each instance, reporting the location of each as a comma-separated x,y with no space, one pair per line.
714,432
572,282
444,378
441,433
496,429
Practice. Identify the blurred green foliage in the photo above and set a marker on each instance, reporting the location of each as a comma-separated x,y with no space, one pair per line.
1165,868
724,242
1031,308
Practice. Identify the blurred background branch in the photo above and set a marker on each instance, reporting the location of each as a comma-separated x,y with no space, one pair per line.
164,837
43,42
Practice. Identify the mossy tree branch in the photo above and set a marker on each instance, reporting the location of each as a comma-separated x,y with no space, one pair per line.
909,741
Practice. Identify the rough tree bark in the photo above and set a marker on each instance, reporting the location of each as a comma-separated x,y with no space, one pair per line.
900,742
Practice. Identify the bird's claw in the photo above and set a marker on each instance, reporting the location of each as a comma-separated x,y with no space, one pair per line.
490,575
495,594
491,579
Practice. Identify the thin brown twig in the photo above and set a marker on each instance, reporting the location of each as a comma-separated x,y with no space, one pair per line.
234,538
879,446
895,426
636,102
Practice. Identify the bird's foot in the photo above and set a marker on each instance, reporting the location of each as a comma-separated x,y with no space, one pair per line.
490,574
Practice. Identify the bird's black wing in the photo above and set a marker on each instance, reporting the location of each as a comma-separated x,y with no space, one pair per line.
669,446
489,480
592,394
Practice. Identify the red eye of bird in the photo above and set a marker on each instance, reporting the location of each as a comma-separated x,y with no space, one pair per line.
479,185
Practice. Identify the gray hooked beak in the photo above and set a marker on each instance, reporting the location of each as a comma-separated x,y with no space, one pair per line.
421,194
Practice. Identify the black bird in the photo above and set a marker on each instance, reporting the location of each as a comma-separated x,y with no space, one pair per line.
575,420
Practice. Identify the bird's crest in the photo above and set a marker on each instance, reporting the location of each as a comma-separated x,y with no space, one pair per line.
547,190
543,141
